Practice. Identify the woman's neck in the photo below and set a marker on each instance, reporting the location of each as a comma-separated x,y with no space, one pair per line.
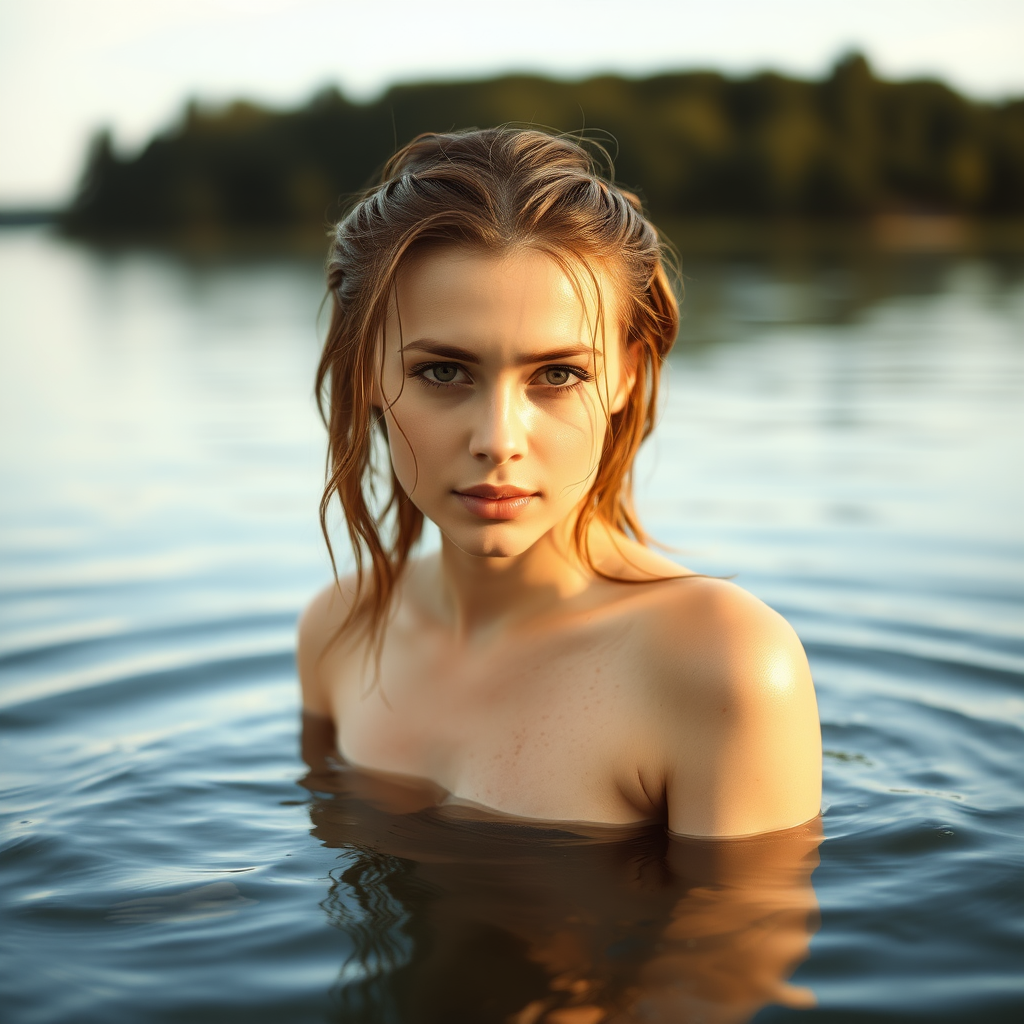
481,595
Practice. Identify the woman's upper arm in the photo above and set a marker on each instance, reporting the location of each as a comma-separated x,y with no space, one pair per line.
743,753
317,627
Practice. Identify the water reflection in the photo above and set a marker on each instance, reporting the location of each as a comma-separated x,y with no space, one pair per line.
456,916
158,534
728,299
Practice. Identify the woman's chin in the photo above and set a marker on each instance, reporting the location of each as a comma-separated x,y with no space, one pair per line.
497,540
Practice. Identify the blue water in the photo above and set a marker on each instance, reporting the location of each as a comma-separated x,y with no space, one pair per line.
845,436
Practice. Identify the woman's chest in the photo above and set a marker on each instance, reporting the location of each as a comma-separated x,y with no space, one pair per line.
549,727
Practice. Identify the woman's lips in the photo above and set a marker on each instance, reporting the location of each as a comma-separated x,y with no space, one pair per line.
488,502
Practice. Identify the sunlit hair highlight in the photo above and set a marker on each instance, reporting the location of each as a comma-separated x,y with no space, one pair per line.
494,190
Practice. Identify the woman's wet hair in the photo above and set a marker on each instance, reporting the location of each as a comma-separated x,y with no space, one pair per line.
494,191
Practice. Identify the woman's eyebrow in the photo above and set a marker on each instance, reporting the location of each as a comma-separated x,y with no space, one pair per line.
464,355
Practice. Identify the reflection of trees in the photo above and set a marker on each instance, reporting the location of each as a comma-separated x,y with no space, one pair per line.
366,902
695,145
396,972
459,918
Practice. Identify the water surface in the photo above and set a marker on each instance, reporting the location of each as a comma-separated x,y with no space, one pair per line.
845,437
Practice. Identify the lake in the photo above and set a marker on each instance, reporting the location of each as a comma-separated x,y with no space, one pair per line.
843,435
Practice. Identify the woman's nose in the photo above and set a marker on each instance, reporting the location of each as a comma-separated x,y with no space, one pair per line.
500,427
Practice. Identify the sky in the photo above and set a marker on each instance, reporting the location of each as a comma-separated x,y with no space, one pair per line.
69,67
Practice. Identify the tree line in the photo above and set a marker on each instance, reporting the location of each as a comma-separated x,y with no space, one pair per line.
693,145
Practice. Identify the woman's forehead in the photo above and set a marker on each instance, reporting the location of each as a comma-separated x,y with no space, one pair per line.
526,295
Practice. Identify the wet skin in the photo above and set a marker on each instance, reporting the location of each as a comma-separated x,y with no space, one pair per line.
513,677
503,921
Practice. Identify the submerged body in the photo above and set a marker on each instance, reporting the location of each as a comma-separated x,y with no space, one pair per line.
514,673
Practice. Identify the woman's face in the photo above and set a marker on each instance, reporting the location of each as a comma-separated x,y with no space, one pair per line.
497,391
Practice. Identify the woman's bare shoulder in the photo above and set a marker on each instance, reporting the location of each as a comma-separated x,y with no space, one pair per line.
705,630
716,629
736,706
318,630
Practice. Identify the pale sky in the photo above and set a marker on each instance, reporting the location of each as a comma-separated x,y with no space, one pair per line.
69,66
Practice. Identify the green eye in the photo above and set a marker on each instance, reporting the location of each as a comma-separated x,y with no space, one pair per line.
444,372
556,376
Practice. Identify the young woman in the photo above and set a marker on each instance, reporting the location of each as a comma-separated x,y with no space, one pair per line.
500,312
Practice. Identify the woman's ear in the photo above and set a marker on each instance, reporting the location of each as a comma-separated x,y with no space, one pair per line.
627,377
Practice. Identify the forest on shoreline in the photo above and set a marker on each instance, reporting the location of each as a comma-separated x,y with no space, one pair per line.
697,146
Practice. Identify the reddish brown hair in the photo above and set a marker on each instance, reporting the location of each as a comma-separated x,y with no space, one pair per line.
496,190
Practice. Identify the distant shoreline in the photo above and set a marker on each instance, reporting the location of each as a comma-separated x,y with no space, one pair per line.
29,216
907,165
895,233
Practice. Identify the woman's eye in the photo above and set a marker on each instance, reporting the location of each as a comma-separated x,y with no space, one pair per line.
444,373
556,376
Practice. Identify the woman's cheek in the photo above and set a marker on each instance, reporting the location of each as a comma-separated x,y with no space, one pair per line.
421,438
573,444
577,424
404,459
